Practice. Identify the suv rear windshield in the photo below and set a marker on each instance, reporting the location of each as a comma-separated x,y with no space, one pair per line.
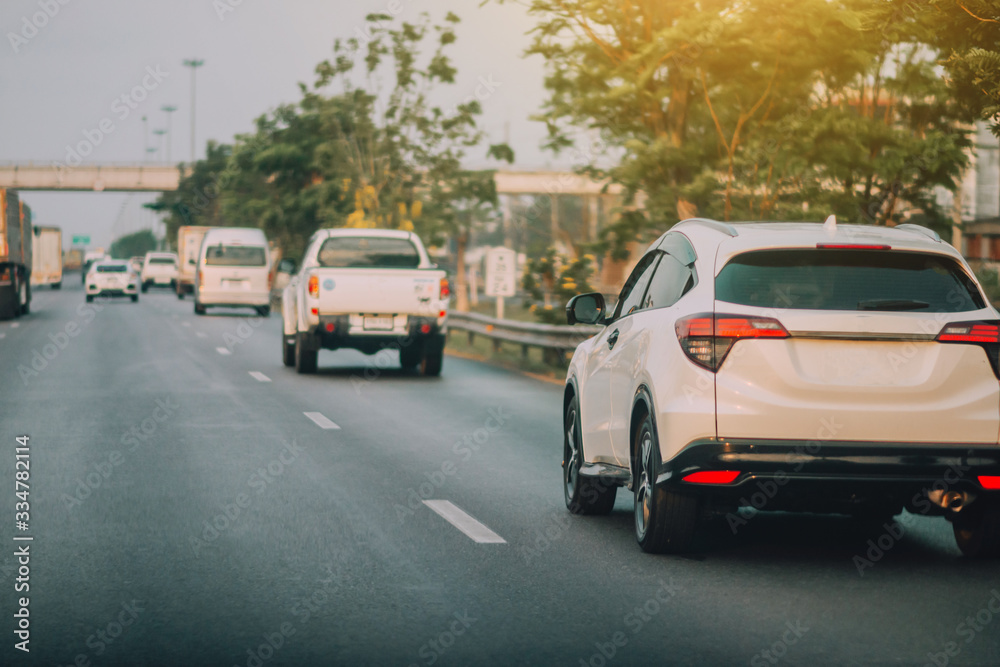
825,279
162,260
347,252
112,268
235,255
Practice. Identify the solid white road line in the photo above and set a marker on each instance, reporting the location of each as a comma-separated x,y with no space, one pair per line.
223,350
473,529
259,377
322,421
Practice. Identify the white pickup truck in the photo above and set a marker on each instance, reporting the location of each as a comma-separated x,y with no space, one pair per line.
366,290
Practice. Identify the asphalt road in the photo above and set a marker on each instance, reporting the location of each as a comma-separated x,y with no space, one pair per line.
185,511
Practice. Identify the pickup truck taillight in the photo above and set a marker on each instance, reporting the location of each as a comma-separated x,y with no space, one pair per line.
314,286
445,289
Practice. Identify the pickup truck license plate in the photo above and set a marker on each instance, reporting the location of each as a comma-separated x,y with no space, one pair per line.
378,323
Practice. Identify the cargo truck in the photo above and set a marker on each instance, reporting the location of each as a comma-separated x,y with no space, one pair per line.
15,255
73,259
188,245
48,266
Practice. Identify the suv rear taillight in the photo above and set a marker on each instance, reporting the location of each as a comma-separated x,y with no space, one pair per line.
706,338
314,286
985,334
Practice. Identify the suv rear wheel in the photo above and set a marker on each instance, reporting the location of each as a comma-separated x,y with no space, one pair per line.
977,530
583,495
665,521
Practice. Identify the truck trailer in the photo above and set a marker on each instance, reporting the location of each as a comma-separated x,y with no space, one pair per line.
15,255
47,266
188,246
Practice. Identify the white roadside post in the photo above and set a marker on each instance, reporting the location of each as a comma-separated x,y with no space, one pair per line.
501,276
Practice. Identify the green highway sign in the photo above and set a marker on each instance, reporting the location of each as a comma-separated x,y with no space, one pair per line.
81,240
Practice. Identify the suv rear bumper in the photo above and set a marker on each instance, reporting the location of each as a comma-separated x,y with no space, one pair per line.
806,474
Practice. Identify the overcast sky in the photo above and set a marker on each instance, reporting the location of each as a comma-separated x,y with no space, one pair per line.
61,80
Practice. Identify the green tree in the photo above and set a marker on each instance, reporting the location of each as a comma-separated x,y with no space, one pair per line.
136,244
196,200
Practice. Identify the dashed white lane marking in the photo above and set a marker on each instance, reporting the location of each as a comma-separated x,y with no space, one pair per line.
322,421
259,377
185,324
3,335
202,334
223,350
14,325
473,529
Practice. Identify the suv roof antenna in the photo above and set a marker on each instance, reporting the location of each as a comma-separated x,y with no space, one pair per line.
830,226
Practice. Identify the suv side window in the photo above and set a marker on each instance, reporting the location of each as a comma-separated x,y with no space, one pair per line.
671,281
635,287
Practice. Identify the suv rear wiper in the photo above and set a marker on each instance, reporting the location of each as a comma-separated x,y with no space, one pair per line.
892,304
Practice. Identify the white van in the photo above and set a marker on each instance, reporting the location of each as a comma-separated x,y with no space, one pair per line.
234,267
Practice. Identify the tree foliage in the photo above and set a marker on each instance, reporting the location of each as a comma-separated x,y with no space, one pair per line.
757,109
136,244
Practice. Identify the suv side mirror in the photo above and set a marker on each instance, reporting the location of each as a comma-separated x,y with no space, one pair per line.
586,309
286,266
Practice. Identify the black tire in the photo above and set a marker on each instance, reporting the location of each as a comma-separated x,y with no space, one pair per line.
433,355
145,287
199,309
264,311
583,495
306,361
665,521
288,350
410,357
977,529
90,299
135,298
180,293
57,285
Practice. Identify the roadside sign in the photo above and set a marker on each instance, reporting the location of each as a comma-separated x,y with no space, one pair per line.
81,240
501,272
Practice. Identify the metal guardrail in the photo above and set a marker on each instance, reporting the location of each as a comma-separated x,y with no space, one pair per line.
555,340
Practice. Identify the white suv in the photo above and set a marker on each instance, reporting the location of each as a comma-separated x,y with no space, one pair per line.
159,269
823,368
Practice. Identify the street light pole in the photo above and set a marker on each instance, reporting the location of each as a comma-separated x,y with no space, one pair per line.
145,139
194,65
169,109
160,134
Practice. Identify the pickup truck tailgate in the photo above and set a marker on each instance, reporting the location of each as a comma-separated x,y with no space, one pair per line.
378,291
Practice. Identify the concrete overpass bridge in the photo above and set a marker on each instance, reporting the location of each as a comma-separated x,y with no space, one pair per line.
162,178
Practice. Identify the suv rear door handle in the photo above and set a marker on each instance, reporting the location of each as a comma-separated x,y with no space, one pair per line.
612,339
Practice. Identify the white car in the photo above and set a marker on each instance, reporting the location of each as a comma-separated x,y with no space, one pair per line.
789,366
233,270
112,278
159,269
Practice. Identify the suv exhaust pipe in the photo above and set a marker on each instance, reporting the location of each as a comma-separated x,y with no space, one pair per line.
950,500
